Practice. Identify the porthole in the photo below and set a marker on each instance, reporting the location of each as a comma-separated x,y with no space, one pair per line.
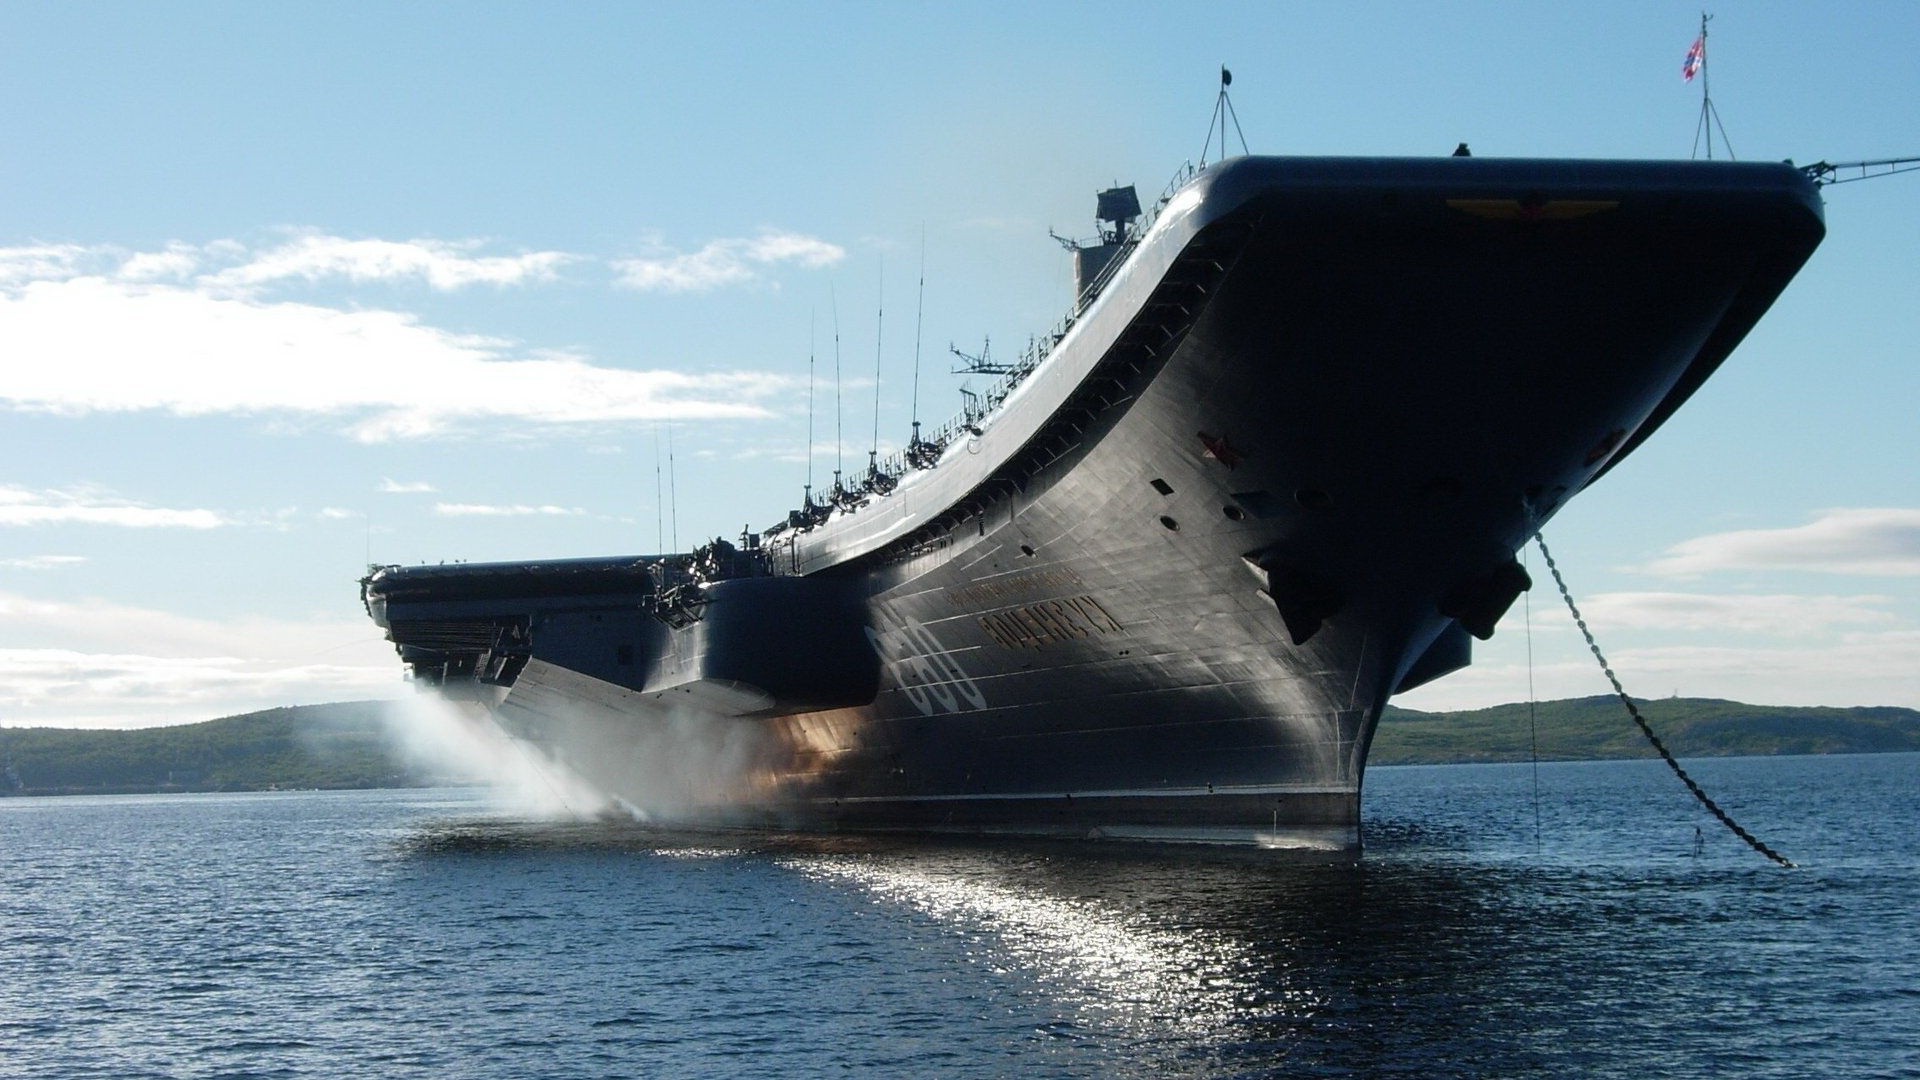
1172,525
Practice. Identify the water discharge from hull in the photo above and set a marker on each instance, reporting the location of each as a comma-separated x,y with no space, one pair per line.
459,739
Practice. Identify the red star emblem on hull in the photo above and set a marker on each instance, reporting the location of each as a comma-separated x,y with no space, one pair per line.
1219,449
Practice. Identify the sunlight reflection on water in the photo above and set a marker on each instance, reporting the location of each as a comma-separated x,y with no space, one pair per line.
1109,967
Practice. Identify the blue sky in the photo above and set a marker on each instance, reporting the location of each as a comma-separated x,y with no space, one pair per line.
285,287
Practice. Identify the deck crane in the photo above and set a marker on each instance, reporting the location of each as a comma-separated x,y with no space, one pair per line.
1824,173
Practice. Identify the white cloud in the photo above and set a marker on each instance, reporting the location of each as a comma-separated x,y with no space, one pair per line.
42,562
480,510
94,663
89,344
61,688
20,506
1782,615
37,261
405,487
178,261
725,262
442,265
337,513
1884,541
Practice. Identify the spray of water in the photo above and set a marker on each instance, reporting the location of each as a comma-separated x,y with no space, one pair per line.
445,738
670,766
661,765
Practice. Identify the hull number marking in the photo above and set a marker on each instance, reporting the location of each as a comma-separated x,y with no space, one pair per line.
928,674
1035,626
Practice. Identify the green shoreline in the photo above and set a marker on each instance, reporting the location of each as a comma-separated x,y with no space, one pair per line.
349,745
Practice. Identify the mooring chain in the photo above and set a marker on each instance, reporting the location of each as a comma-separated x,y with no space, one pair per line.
1753,841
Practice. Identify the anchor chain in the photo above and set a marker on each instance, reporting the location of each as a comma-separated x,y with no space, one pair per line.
1726,819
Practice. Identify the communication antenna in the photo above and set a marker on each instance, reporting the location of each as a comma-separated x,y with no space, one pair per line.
807,498
1696,64
673,491
659,497
1222,112
839,439
919,315
879,325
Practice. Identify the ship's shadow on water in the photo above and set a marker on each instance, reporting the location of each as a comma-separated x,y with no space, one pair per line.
1184,959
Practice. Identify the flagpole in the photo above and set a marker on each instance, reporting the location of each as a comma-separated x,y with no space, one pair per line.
1706,86
1696,64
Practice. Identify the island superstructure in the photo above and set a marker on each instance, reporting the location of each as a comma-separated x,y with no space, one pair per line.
1270,470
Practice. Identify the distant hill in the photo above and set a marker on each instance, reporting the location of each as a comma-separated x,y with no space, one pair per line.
342,745
347,745
1581,729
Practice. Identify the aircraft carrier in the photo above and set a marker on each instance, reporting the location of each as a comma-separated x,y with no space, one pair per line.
1271,469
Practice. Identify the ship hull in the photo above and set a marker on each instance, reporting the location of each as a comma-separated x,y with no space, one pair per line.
1274,473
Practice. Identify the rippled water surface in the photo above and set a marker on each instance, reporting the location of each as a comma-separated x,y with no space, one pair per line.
425,934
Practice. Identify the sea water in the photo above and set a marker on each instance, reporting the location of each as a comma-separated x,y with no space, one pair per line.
1502,922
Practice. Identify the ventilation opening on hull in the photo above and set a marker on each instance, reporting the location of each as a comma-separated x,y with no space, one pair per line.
1172,525
1161,486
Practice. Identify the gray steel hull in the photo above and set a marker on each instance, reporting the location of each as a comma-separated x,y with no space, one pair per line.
1272,475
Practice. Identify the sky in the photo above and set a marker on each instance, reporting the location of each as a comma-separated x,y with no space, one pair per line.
288,289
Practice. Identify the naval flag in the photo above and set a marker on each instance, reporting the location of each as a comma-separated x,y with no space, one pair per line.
1696,57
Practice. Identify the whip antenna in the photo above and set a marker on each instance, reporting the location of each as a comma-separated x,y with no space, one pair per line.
812,318
839,439
879,325
673,490
919,315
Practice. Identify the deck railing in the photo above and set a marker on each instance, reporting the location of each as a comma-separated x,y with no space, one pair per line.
925,451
